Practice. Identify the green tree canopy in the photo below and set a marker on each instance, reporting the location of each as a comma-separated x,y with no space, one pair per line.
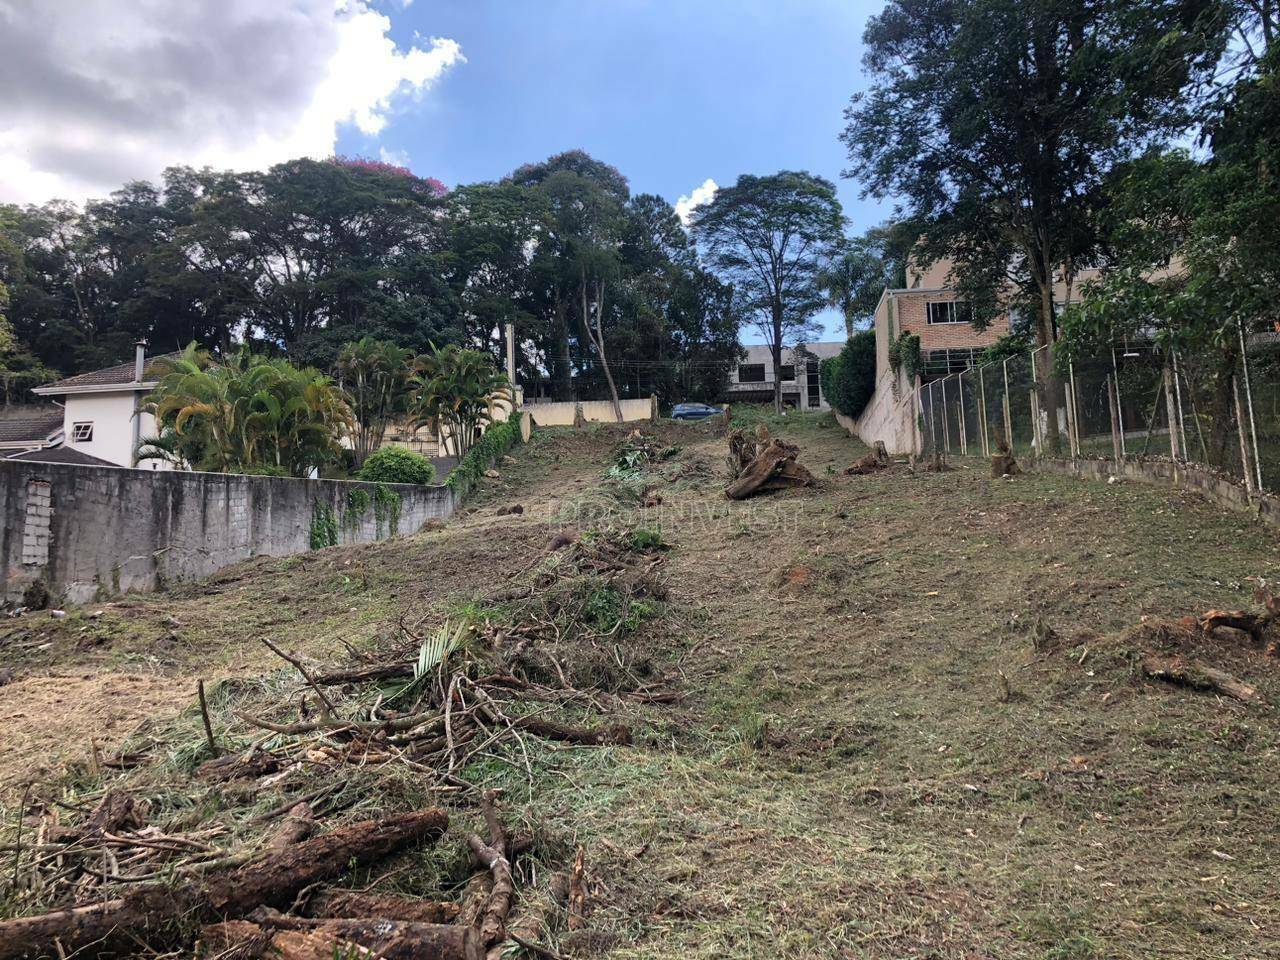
770,237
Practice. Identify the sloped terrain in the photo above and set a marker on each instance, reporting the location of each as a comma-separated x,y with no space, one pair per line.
912,716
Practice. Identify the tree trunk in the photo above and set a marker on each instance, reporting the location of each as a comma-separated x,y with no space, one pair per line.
593,317
1221,406
1052,391
561,372
776,350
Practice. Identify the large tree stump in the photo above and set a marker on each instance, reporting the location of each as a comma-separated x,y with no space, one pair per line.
876,459
772,467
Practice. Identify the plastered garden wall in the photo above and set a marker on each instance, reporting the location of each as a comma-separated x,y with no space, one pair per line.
90,531
561,414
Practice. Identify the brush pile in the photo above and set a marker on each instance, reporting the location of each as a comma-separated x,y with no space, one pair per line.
421,715
763,464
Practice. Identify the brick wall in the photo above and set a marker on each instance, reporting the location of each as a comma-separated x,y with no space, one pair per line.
911,314
87,531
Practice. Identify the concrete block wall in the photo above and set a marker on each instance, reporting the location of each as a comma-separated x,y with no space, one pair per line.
93,531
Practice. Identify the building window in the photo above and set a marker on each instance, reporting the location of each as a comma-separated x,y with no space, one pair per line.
751,373
82,432
949,311
952,360
788,373
812,384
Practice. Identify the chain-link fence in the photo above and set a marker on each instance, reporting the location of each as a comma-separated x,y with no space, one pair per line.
1219,407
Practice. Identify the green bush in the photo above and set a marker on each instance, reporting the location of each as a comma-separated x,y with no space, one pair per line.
497,440
396,465
849,379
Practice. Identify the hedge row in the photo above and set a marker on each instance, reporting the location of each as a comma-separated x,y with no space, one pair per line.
493,443
849,378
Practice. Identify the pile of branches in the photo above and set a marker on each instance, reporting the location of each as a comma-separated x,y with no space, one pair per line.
280,902
762,464
428,704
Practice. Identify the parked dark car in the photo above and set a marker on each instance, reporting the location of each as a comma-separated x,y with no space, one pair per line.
694,411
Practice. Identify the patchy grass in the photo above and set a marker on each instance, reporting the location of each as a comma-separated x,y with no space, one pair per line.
846,777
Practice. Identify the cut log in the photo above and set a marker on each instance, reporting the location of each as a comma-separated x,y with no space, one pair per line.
615,734
493,919
233,940
1251,623
371,674
474,899
274,879
296,827
1186,672
1003,465
349,903
876,459
774,468
296,938
235,766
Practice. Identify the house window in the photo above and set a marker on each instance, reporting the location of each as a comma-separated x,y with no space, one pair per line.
788,372
82,432
813,384
751,373
949,311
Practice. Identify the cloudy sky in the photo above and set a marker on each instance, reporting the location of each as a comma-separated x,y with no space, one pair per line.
681,95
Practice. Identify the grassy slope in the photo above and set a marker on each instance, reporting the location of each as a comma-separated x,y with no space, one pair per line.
843,779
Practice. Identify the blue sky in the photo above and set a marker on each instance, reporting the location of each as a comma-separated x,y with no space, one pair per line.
669,92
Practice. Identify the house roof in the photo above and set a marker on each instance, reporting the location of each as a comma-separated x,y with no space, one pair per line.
62,455
34,429
108,378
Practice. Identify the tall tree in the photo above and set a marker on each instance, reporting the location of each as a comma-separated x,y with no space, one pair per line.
996,122
770,237
860,270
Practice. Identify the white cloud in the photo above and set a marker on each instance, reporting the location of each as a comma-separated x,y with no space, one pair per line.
399,157
103,91
701,195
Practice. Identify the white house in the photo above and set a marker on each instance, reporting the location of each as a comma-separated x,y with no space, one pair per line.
102,416
753,378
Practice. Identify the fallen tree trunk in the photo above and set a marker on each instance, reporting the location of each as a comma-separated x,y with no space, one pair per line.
273,879
336,904
295,938
381,671
1185,672
1251,623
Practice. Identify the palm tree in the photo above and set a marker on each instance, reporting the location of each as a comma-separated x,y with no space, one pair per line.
455,392
375,375
247,414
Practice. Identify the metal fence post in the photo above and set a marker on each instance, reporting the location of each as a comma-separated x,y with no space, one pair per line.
1119,408
1037,440
1170,408
1248,394
982,412
1182,423
964,433
1004,402
946,429
1244,445
1075,411
1117,453
933,419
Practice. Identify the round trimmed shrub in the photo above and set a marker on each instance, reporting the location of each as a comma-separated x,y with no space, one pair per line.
396,465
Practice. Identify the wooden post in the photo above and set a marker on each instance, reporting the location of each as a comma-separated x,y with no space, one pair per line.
1245,466
1171,412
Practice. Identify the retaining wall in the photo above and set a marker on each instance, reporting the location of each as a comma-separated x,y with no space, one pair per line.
1220,489
889,417
88,531
561,413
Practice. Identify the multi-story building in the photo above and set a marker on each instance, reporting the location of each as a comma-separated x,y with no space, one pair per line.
753,379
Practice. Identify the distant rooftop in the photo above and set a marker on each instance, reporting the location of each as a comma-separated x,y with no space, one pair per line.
119,375
31,429
62,455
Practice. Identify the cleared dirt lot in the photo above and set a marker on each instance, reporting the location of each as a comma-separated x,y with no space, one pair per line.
847,774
